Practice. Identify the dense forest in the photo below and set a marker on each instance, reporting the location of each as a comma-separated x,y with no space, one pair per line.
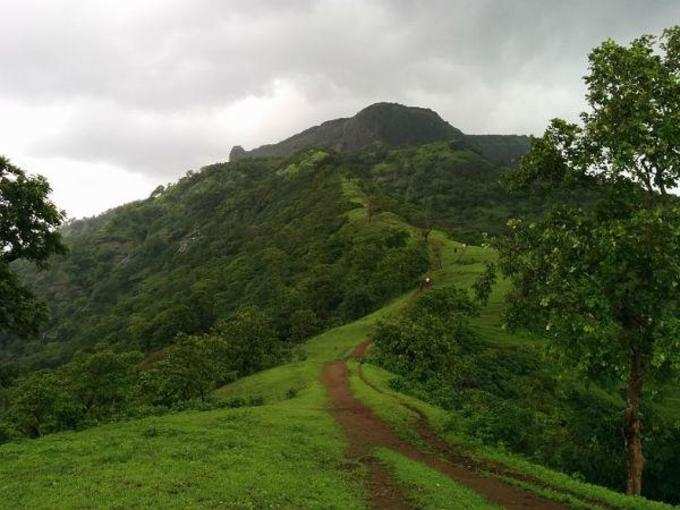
271,233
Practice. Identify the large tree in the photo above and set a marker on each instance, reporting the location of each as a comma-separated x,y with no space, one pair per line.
603,280
28,230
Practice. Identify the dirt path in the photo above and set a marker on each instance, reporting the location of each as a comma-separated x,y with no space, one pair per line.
365,431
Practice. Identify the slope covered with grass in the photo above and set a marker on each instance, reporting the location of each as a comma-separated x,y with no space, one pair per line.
287,452
283,455
508,405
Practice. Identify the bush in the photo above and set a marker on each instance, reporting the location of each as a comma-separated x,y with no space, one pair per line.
425,343
40,403
103,382
190,369
251,342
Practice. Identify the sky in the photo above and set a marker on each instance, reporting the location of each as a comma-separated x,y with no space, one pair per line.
110,99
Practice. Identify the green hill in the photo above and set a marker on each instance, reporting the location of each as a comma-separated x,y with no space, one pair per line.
185,360
269,232
390,125
286,452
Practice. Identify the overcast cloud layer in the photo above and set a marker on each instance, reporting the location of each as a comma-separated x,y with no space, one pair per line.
110,99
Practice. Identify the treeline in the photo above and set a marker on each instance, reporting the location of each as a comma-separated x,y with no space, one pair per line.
274,234
516,398
107,384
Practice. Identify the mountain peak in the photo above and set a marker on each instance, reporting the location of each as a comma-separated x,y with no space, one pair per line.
391,124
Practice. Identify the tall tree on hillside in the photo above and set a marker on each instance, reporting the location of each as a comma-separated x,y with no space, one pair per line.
604,282
28,223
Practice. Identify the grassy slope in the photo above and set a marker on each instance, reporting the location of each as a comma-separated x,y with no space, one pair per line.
286,453
429,488
461,266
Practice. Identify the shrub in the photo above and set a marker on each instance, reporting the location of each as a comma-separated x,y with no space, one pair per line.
424,344
103,382
40,403
188,371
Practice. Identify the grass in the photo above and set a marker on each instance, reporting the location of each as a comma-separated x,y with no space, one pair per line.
389,406
287,455
397,415
429,488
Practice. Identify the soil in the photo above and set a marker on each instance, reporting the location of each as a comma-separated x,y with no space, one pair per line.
365,431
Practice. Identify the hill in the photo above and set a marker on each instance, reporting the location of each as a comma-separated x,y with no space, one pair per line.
392,125
258,277
286,451
264,232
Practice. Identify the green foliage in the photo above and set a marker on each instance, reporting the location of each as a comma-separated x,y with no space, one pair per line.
598,283
105,385
426,340
444,185
103,382
189,369
20,312
28,220
28,223
250,340
230,236
40,403
604,283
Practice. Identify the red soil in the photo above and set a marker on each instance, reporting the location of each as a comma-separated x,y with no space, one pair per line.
365,431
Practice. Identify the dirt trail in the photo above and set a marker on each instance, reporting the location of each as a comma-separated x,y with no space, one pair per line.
365,431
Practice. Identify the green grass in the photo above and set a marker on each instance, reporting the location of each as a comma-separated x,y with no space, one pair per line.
288,455
429,488
303,376
389,406
387,409
462,265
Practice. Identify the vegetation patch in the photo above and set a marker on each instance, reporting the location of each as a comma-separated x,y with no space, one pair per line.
429,488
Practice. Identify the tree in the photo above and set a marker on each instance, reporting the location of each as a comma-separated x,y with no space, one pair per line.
40,403
28,230
103,381
425,342
603,281
253,342
187,372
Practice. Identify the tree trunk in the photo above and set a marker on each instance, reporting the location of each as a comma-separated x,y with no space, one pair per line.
636,460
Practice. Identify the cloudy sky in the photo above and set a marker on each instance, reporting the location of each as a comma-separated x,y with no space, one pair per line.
109,99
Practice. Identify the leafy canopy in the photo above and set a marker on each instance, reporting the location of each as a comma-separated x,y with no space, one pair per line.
604,280
28,222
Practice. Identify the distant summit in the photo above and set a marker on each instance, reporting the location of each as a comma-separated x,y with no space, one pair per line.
394,125
387,123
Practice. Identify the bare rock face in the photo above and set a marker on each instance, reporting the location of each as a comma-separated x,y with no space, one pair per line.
237,152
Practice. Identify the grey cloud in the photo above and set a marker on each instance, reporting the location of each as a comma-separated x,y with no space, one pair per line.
156,145
143,77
